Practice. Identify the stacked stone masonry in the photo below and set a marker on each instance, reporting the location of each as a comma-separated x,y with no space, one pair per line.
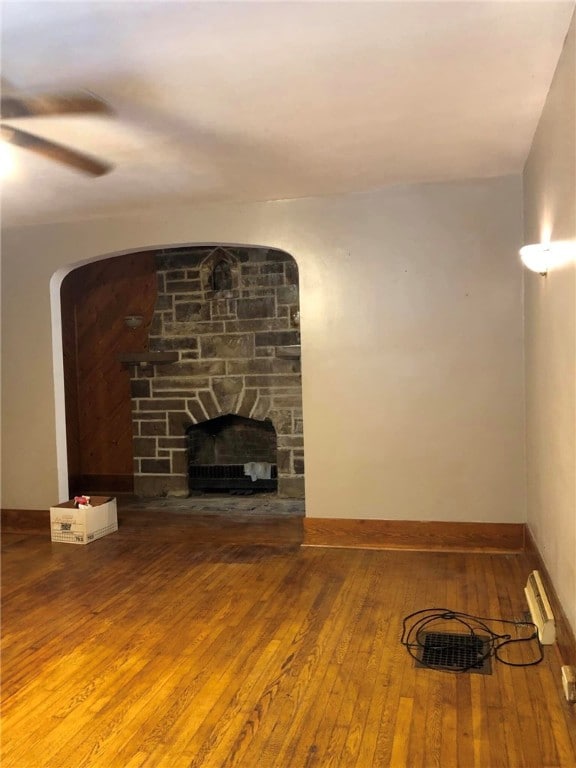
229,313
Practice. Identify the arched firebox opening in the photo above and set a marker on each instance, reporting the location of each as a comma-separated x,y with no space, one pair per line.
234,454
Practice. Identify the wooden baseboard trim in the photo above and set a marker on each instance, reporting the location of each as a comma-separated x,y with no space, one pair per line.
565,639
347,533
414,535
29,521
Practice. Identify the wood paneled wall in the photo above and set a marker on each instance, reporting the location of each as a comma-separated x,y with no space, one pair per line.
95,300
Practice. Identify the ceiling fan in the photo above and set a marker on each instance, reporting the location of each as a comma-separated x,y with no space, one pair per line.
15,107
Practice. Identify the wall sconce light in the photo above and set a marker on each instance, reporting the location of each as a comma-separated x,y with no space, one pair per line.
536,257
133,321
541,257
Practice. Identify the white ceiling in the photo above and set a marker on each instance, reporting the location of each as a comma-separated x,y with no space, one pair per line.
261,101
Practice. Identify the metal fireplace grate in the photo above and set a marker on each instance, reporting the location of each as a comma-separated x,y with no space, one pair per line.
221,470
229,478
454,652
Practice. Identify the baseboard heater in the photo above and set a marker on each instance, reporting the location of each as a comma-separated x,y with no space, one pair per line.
540,609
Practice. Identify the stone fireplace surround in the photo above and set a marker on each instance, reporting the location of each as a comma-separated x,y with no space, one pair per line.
226,321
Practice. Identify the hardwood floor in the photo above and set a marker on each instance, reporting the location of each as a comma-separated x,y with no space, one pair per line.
183,651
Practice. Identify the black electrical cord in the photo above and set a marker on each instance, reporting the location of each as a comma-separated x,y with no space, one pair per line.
411,637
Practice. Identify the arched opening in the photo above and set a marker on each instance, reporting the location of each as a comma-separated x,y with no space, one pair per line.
202,333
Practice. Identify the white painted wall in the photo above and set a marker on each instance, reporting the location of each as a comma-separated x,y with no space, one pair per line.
550,213
411,332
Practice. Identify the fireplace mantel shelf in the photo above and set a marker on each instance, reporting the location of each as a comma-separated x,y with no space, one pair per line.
141,358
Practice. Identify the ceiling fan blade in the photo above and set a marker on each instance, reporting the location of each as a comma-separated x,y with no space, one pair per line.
57,152
14,107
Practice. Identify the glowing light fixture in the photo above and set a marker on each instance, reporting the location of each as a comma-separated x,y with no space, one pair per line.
541,257
536,257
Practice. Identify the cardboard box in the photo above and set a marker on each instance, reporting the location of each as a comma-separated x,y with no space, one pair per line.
81,526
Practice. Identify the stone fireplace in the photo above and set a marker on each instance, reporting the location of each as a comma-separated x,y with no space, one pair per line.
223,357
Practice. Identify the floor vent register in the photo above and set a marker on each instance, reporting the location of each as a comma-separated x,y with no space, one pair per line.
454,652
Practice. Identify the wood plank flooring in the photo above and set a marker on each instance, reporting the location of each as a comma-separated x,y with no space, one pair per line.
254,652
